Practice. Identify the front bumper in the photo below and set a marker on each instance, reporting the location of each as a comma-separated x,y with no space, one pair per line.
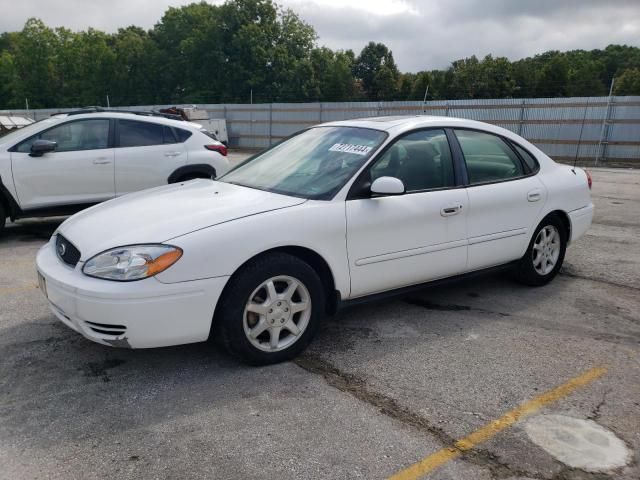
141,314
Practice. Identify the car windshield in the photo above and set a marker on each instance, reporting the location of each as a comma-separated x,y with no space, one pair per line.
314,164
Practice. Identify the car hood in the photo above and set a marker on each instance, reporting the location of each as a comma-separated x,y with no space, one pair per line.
163,213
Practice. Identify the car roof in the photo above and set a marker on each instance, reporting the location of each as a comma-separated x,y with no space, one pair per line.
397,125
408,122
131,116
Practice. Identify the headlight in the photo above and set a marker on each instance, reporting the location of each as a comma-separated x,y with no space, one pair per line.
133,262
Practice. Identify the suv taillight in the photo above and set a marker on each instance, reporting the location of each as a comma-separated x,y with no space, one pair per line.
589,180
221,149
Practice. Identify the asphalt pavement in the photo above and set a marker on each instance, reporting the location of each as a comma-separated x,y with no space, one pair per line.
451,382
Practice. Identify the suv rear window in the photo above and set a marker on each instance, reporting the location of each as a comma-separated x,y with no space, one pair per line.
209,134
139,134
183,135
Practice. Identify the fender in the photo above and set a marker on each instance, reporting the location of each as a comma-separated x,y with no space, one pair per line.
12,207
201,168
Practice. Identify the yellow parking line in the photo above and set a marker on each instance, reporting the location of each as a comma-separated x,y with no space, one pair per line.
8,290
441,457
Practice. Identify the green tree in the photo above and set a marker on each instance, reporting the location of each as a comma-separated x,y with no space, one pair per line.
8,81
36,49
377,70
421,81
628,83
554,77
203,52
136,61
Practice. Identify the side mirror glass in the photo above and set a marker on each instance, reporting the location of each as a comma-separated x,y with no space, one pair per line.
40,147
387,186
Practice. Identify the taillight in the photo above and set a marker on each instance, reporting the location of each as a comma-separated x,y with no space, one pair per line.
221,149
589,180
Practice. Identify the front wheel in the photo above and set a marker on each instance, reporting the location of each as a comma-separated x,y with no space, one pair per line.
545,254
270,310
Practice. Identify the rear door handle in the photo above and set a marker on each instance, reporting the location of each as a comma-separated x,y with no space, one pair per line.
172,154
534,195
452,210
102,161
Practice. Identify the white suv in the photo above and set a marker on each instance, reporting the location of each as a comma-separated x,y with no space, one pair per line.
69,161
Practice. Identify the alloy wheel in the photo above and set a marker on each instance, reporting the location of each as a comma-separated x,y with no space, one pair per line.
277,313
546,250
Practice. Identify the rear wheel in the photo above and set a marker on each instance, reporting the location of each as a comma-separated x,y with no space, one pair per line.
271,309
545,254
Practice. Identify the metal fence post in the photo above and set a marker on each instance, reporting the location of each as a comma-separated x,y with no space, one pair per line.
584,117
601,154
270,121
521,120
604,131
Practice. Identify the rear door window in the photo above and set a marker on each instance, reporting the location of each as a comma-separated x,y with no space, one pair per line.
139,134
488,157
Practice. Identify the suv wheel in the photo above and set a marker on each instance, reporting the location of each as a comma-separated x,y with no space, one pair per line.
271,310
193,176
3,217
544,257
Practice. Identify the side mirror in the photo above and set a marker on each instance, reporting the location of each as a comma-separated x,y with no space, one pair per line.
387,186
40,147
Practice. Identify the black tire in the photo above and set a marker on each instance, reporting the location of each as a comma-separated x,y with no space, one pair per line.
193,176
229,328
3,217
526,271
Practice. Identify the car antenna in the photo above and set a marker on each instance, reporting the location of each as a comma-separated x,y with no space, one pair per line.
584,117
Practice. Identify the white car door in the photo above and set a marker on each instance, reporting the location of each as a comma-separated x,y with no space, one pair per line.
79,171
146,154
505,198
395,241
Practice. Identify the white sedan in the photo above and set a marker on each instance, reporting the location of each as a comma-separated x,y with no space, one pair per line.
338,213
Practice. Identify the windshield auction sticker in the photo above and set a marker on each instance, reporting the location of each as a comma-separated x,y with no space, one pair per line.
349,148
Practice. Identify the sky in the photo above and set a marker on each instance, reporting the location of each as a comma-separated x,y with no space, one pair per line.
423,34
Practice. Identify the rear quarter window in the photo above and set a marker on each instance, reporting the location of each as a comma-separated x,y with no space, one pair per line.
183,135
529,159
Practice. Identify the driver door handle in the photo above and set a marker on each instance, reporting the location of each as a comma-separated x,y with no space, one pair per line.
451,210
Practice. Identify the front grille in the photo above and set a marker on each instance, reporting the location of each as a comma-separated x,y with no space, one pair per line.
66,251
106,329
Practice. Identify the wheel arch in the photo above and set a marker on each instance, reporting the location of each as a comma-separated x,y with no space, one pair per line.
198,168
307,255
11,208
566,221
